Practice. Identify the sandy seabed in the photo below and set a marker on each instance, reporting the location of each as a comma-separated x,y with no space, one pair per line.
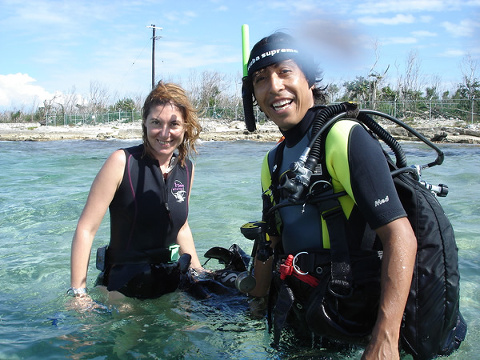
450,131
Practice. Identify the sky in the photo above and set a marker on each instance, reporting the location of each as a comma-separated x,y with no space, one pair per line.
49,47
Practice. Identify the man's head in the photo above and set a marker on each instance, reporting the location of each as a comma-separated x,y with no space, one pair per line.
281,77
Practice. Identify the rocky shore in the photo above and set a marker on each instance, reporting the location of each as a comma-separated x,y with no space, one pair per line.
439,130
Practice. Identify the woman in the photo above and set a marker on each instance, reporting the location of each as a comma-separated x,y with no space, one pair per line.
146,189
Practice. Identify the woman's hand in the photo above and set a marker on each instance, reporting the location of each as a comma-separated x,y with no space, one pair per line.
84,303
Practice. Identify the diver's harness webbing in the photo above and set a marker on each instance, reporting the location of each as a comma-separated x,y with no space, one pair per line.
341,282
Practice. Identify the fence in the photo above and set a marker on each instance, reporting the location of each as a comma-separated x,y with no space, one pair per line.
56,119
466,110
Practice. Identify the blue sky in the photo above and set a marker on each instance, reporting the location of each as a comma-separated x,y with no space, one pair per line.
52,47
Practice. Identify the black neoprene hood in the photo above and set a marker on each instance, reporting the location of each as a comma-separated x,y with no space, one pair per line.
279,47
268,51
269,54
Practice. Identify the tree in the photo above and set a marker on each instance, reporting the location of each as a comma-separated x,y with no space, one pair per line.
387,94
376,77
207,92
411,82
470,88
125,104
431,93
358,89
98,97
70,100
332,92
15,116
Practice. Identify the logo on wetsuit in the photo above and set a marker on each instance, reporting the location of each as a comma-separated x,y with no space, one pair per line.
381,201
178,191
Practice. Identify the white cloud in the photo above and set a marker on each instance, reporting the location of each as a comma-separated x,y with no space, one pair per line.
398,40
426,18
394,6
293,6
397,19
17,90
453,53
423,33
466,28
180,17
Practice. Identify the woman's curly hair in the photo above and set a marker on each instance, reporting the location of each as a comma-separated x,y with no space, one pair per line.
169,93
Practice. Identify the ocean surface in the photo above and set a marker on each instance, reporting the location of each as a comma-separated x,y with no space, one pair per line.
43,189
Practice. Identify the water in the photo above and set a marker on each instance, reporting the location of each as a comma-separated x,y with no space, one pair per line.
43,189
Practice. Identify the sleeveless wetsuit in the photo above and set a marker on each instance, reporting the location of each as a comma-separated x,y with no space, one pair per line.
357,165
146,215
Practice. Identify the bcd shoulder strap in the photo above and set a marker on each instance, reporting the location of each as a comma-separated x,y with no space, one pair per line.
330,209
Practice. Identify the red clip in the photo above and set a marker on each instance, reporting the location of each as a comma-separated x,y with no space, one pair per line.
286,268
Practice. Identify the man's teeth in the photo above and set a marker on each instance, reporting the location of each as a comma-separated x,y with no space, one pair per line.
281,104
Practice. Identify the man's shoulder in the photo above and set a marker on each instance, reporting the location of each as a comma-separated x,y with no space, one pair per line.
343,127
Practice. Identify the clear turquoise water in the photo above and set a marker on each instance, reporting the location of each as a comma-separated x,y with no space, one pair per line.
43,189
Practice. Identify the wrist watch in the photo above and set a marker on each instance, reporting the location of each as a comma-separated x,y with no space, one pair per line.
77,292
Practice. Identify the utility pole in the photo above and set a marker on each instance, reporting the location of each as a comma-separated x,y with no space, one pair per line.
153,27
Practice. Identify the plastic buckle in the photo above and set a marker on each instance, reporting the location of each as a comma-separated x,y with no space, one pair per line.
286,269
340,285
295,266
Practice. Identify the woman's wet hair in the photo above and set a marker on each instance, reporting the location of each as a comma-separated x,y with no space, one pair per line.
169,93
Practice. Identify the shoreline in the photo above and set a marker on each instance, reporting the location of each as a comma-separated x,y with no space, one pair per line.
439,131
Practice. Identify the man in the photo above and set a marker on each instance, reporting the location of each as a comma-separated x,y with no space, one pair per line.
282,80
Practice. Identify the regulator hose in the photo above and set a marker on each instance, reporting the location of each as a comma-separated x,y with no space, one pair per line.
440,155
385,137
305,166
331,114
320,120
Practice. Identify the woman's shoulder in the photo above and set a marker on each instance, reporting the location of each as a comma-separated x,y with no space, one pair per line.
134,150
117,157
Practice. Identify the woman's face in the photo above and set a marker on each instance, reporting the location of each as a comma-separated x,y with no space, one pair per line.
165,128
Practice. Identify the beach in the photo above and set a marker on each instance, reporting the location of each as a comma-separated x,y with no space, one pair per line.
212,130
440,130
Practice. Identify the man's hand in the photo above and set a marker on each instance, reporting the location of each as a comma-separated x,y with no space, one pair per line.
384,349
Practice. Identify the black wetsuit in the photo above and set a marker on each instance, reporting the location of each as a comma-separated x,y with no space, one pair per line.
355,161
343,252
146,215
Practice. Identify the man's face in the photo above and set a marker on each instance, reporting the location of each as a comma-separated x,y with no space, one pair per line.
283,93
